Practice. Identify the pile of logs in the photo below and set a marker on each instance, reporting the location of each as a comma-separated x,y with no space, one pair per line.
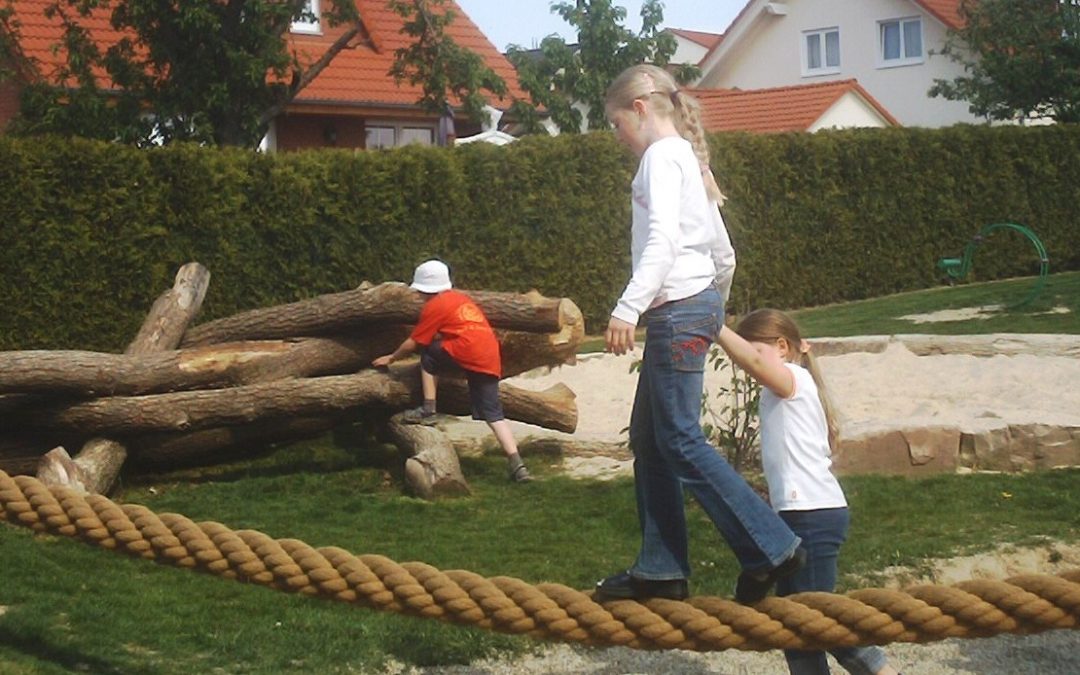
185,396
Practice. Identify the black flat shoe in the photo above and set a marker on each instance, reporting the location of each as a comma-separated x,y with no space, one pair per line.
750,588
622,586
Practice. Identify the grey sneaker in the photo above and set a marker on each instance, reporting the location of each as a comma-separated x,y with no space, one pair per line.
419,416
521,475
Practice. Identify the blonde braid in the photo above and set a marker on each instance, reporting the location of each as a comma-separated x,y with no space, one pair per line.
688,122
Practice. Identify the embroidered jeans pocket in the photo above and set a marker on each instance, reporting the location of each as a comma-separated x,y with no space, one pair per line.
690,344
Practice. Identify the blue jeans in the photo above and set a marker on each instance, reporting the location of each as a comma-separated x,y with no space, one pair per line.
822,532
671,451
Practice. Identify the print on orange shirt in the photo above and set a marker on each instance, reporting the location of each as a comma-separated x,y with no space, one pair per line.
466,334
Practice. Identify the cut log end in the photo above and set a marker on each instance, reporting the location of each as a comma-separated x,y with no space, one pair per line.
57,468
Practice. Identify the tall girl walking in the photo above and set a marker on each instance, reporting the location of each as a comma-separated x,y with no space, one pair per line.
683,264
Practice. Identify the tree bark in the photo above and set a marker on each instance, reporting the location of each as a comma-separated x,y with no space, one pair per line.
98,464
202,409
432,468
381,304
94,374
160,451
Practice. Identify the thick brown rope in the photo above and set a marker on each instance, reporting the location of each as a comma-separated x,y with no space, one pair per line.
1021,604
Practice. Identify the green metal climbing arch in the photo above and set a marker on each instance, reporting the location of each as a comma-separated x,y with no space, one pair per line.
956,269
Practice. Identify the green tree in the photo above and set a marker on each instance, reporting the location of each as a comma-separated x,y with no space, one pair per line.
565,78
1021,59
441,66
211,72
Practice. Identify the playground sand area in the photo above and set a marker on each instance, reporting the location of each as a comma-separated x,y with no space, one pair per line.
875,383
970,383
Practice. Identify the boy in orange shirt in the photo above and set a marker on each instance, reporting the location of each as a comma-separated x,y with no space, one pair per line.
452,330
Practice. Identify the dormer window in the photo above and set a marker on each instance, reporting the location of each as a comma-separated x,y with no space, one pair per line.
308,22
821,51
900,41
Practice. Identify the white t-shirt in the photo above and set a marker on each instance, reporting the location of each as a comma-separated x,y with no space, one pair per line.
679,244
795,448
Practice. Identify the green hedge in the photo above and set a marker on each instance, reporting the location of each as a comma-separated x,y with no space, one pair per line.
91,233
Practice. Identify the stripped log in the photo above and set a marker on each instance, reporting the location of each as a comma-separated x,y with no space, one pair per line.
172,312
97,465
202,409
386,303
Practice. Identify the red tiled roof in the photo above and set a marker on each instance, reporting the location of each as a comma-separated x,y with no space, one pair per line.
779,109
706,40
357,76
946,11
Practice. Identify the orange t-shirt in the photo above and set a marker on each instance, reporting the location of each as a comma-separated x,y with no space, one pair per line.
465,331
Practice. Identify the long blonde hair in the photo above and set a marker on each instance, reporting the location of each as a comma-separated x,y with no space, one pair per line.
656,86
767,325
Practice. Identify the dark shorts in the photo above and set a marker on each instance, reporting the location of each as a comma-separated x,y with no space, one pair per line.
483,388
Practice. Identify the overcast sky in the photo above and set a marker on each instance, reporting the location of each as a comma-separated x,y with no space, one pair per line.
526,22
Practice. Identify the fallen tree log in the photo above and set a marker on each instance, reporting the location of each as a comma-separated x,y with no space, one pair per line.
97,465
381,304
77,373
202,409
95,374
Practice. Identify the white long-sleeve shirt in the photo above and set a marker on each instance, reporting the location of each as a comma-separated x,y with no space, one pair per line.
679,244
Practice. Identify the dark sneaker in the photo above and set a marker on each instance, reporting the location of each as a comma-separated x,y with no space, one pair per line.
622,586
751,588
521,475
419,416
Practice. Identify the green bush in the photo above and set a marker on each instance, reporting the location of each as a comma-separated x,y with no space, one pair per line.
92,233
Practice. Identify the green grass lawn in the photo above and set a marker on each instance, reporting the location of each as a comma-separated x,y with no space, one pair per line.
1055,310
66,606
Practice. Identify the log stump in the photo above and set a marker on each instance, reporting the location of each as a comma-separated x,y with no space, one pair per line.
431,469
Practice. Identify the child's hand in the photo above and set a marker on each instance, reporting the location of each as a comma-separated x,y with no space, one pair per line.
383,361
619,337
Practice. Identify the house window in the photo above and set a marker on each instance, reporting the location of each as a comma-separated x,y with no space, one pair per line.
379,137
309,20
901,42
821,53
388,135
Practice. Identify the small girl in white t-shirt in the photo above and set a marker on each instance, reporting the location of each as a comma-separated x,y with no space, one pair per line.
797,436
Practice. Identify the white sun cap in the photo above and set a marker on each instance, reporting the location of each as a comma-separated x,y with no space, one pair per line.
432,276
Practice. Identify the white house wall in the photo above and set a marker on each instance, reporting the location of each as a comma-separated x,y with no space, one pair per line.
768,54
850,110
688,51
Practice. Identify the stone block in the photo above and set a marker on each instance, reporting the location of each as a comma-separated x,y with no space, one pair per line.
908,452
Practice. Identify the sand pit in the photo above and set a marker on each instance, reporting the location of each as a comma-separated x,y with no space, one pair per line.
877,384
